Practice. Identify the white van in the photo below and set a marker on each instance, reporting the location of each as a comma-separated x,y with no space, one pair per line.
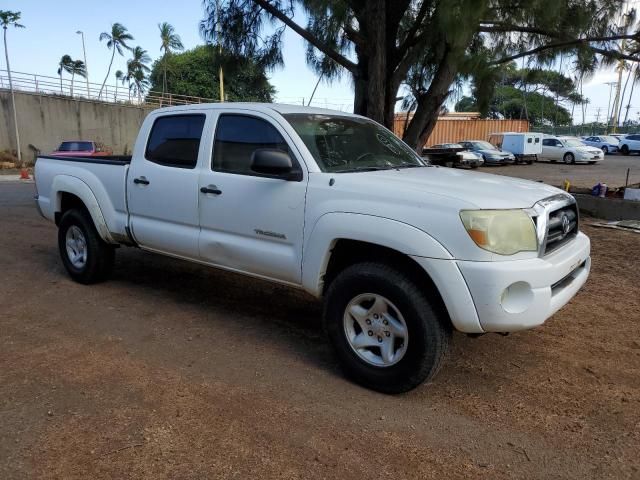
526,147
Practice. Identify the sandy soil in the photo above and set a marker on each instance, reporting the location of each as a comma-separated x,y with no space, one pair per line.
173,370
612,171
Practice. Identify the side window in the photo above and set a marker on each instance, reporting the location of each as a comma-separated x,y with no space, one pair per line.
237,137
174,140
537,139
529,140
549,142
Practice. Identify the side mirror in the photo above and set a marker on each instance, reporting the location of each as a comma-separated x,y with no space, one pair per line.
273,163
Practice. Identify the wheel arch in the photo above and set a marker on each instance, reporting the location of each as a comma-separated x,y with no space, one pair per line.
71,192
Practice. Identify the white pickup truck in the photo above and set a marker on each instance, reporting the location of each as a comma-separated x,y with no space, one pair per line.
400,251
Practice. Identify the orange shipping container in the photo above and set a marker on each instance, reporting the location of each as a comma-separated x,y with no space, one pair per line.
457,127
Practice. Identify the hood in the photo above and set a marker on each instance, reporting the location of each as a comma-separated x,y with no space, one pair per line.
464,189
587,148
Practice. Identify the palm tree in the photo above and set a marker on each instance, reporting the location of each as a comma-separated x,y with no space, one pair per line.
137,70
116,40
8,18
77,68
170,41
140,83
119,78
64,65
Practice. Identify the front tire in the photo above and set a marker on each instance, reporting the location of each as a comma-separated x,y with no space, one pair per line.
86,257
388,336
625,149
605,149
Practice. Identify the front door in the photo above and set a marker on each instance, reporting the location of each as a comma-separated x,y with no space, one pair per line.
251,223
162,186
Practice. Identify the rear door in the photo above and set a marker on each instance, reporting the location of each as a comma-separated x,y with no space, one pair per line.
162,189
551,149
251,223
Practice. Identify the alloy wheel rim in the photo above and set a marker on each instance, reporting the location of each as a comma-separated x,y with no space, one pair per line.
375,330
76,246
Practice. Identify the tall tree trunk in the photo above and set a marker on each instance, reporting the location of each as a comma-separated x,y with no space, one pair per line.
429,104
377,68
113,54
633,84
164,75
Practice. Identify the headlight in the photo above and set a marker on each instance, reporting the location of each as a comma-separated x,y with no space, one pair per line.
501,231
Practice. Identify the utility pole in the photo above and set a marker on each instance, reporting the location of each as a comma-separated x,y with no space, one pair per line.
221,73
13,99
84,52
597,119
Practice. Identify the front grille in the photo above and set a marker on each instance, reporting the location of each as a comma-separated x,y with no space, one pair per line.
562,227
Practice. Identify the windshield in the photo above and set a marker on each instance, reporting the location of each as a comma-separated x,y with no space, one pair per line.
483,145
609,139
75,147
572,142
347,144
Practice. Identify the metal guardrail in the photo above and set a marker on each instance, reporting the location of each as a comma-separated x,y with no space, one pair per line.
79,89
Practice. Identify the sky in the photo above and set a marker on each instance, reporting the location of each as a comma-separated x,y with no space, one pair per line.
51,27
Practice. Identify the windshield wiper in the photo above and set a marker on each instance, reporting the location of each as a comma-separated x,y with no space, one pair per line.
362,169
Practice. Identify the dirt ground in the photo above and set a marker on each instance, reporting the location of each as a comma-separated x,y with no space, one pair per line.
612,171
173,370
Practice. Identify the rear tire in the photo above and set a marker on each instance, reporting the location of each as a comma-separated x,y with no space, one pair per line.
625,149
569,158
375,288
605,149
87,258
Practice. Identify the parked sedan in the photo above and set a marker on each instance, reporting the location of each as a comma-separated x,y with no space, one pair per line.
81,148
569,150
489,153
606,143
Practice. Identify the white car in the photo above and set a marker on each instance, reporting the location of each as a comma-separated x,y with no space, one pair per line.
401,252
569,150
630,144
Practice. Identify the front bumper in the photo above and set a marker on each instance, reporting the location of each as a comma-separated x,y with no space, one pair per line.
508,296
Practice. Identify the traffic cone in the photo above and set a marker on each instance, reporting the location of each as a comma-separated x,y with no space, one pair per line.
24,174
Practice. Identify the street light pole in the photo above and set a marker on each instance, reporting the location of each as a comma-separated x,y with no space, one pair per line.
13,99
84,52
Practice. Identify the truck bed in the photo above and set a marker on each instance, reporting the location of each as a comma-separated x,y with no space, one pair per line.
101,178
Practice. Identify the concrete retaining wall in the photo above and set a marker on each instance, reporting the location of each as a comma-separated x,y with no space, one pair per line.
45,121
608,208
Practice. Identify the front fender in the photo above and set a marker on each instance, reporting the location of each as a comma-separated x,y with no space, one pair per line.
382,231
75,186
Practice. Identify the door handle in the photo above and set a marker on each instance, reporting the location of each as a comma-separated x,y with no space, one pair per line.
141,181
212,189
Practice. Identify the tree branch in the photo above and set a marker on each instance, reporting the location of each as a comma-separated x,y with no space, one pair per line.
568,43
304,33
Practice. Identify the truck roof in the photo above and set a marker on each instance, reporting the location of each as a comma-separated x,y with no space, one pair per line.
281,108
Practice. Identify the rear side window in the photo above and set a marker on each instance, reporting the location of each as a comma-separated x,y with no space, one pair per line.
237,137
75,147
175,140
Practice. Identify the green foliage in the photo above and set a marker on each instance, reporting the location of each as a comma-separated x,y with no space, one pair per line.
530,93
117,38
195,73
509,102
7,18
